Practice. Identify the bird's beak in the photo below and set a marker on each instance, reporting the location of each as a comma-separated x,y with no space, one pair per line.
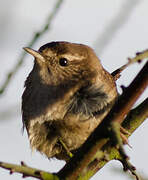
36,54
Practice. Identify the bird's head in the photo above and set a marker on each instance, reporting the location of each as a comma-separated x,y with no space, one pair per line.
59,62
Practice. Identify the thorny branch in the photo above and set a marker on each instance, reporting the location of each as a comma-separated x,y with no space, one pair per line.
28,171
137,58
37,35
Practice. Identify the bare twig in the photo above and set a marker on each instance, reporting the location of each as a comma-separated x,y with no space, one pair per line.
137,58
37,35
28,171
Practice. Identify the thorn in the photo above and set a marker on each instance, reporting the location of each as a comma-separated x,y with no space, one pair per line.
128,166
133,168
124,131
24,176
139,61
11,171
125,140
137,177
123,88
138,53
129,145
123,154
23,163
129,60
38,173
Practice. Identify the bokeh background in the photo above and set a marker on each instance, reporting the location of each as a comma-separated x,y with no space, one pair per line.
116,29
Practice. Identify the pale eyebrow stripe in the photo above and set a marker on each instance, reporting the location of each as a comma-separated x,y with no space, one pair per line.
72,57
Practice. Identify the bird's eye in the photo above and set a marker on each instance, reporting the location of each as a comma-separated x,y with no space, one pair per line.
63,61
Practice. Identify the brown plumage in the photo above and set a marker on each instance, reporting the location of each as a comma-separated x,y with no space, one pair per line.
66,96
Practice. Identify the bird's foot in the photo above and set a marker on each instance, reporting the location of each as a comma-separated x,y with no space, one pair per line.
123,133
119,138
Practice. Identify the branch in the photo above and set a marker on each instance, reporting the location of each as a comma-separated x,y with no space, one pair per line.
88,152
37,35
139,56
28,171
134,119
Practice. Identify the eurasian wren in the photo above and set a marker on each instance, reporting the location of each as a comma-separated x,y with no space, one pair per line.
67,94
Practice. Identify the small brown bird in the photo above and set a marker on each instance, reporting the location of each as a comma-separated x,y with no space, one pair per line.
66,96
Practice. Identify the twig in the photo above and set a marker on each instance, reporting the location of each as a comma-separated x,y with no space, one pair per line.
137,58
37,35
28,171
100,136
